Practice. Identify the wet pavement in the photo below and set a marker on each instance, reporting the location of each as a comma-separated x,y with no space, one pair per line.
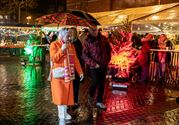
25,99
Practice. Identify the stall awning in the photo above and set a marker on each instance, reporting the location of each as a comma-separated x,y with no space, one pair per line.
165,21
168,15
119,16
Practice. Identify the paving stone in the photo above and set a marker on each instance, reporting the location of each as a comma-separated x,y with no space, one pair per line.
25,99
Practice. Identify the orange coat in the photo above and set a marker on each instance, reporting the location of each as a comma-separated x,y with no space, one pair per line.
62,92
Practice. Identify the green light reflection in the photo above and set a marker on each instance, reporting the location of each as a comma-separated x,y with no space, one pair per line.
35,54
32,85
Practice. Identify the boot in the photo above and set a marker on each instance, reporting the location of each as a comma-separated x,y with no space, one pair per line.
62,122
61,114
67,116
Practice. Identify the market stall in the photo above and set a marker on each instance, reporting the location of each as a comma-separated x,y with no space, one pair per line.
162,22
24,42
13,39
159,19
166,21
119,16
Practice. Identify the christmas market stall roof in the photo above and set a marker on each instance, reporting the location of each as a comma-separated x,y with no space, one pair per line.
118,17
162,21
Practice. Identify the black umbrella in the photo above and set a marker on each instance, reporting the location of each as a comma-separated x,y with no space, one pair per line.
84,15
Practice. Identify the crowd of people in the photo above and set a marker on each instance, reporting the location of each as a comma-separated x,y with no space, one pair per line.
161,58
67,51
92,52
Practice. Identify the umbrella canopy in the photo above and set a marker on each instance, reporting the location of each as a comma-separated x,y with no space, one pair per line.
84,15
61,19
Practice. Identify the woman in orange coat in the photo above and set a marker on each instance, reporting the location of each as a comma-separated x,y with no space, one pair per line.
62,54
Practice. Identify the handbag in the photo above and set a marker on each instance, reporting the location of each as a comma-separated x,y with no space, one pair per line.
58,72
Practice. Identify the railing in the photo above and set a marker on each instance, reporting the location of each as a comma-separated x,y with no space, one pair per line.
164,72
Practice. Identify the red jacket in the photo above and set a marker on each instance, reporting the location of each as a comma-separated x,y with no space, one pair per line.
143,57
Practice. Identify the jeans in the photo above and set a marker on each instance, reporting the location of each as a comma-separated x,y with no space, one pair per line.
98,76
162,68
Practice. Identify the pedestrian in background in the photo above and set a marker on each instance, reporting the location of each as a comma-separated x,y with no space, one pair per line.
164,58
144,56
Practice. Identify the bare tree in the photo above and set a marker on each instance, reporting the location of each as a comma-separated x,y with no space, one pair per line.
15,6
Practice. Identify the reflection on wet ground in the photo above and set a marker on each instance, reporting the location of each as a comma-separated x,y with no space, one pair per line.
25,99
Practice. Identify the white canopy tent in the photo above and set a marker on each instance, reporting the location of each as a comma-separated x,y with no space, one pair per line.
166,21
158,18
119,16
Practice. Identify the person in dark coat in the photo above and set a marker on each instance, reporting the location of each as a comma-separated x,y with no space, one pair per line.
136,41
97,55
76,82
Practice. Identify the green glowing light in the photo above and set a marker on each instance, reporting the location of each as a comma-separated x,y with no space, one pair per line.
32,84
35,53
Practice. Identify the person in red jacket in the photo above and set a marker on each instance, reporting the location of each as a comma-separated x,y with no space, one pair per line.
143,57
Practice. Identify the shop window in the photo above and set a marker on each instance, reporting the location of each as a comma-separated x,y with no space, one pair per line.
1,17
5,17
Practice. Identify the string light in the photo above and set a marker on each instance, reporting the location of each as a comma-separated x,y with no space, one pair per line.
17,31
146,26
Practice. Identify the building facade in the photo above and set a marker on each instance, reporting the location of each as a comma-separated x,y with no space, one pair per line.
7,18
54,6
108,5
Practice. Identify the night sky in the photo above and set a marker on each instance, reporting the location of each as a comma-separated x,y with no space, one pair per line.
46,5
42,7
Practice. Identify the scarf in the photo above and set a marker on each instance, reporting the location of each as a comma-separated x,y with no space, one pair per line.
69,65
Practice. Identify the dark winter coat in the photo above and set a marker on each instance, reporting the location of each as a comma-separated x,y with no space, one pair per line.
96,51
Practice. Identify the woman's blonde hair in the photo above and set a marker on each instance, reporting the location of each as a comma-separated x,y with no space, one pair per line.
62,32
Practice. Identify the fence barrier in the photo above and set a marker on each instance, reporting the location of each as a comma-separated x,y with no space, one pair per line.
164,67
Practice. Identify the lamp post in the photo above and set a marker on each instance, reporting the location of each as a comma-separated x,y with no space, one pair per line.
28,19
159,2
